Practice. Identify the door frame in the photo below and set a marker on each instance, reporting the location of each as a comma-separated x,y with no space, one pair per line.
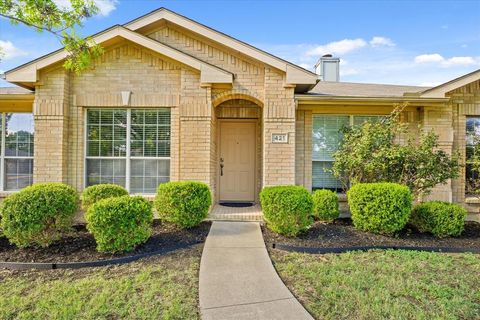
256,162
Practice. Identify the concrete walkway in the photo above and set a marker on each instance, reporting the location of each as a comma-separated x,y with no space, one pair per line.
237,278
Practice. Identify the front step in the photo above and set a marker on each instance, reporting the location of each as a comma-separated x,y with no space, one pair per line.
218,212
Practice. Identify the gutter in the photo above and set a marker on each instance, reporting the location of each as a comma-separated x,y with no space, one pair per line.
311,99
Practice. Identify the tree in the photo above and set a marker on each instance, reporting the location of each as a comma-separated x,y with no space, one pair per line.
385,151
47,15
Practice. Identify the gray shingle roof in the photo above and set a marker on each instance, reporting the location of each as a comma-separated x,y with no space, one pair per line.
14,90
362,89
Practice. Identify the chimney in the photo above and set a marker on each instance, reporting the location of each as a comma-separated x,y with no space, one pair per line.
328,68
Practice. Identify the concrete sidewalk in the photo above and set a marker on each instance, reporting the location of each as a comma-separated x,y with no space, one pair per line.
237,278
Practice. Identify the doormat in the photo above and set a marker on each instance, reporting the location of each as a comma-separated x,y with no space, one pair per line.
236,204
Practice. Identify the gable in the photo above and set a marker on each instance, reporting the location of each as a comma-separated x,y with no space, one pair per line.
158,18
441,90
28,74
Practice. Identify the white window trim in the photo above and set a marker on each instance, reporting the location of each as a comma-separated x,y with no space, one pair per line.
3,156
127,157
350,123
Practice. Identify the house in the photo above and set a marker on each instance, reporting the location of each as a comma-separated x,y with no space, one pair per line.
172,99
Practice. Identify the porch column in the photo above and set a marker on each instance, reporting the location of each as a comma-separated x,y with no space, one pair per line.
278,131
50,110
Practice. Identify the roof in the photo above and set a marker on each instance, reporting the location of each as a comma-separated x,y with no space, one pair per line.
14,90
440,90
351,89
26,75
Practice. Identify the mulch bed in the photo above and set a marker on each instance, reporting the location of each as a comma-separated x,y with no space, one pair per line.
342,234
80,245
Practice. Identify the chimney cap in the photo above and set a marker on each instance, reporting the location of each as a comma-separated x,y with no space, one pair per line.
328,55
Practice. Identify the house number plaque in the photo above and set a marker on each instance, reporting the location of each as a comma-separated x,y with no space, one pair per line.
280,138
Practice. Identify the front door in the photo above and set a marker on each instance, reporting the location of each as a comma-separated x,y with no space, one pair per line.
237,161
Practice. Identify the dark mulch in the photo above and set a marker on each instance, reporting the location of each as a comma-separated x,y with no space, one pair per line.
79,245
342,234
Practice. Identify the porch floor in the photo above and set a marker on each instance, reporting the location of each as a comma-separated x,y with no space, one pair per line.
219,212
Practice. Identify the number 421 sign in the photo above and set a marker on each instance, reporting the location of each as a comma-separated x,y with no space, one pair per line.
280,138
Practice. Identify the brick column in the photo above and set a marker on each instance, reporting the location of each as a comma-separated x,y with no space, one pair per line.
278,118
50,112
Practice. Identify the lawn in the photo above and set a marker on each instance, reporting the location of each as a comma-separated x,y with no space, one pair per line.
384,284
164,287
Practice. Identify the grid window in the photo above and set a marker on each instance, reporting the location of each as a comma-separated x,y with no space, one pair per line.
326,138
128,147
17,140
472,140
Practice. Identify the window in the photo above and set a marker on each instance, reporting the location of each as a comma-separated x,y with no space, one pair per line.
16,150
472,139
326,138
128,147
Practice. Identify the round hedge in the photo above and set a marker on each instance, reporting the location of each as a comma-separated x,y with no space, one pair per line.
39,214
380,207
287,209
120,223
98,192
184,203
442,219
325,205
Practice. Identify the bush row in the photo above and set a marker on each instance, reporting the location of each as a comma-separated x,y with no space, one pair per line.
382,208
41,213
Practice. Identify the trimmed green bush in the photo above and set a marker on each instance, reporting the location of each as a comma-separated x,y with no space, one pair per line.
101,191
120,223
184,203
39,214
325,205
380,207
287,209
442,219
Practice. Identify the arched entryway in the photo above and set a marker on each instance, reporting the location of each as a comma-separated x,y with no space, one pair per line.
239,150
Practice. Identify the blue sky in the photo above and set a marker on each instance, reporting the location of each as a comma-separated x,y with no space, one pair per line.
398,42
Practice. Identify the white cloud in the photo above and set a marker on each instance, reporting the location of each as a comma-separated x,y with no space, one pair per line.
382,42
9,51
450,62
104,6
427,58
338,47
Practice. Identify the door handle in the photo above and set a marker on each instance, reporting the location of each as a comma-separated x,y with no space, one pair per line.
221,167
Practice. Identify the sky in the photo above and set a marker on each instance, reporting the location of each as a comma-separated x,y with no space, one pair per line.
393,42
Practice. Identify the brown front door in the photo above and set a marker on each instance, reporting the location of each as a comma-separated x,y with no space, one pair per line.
237,161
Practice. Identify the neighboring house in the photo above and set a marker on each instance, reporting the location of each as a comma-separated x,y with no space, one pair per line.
172,99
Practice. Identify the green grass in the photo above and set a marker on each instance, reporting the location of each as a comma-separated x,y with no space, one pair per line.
384,284
156,288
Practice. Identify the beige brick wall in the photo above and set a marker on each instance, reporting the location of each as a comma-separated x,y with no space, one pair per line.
258,92
464,102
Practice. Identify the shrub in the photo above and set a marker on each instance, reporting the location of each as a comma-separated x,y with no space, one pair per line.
120,223
325,205
39,214
287,209
380,207
183,203
101,191
442,219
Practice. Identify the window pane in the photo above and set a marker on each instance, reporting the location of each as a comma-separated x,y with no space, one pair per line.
472,136
359,120
323,178
147,174
18,173
107,133
327,136
106,171
150,133
19,135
